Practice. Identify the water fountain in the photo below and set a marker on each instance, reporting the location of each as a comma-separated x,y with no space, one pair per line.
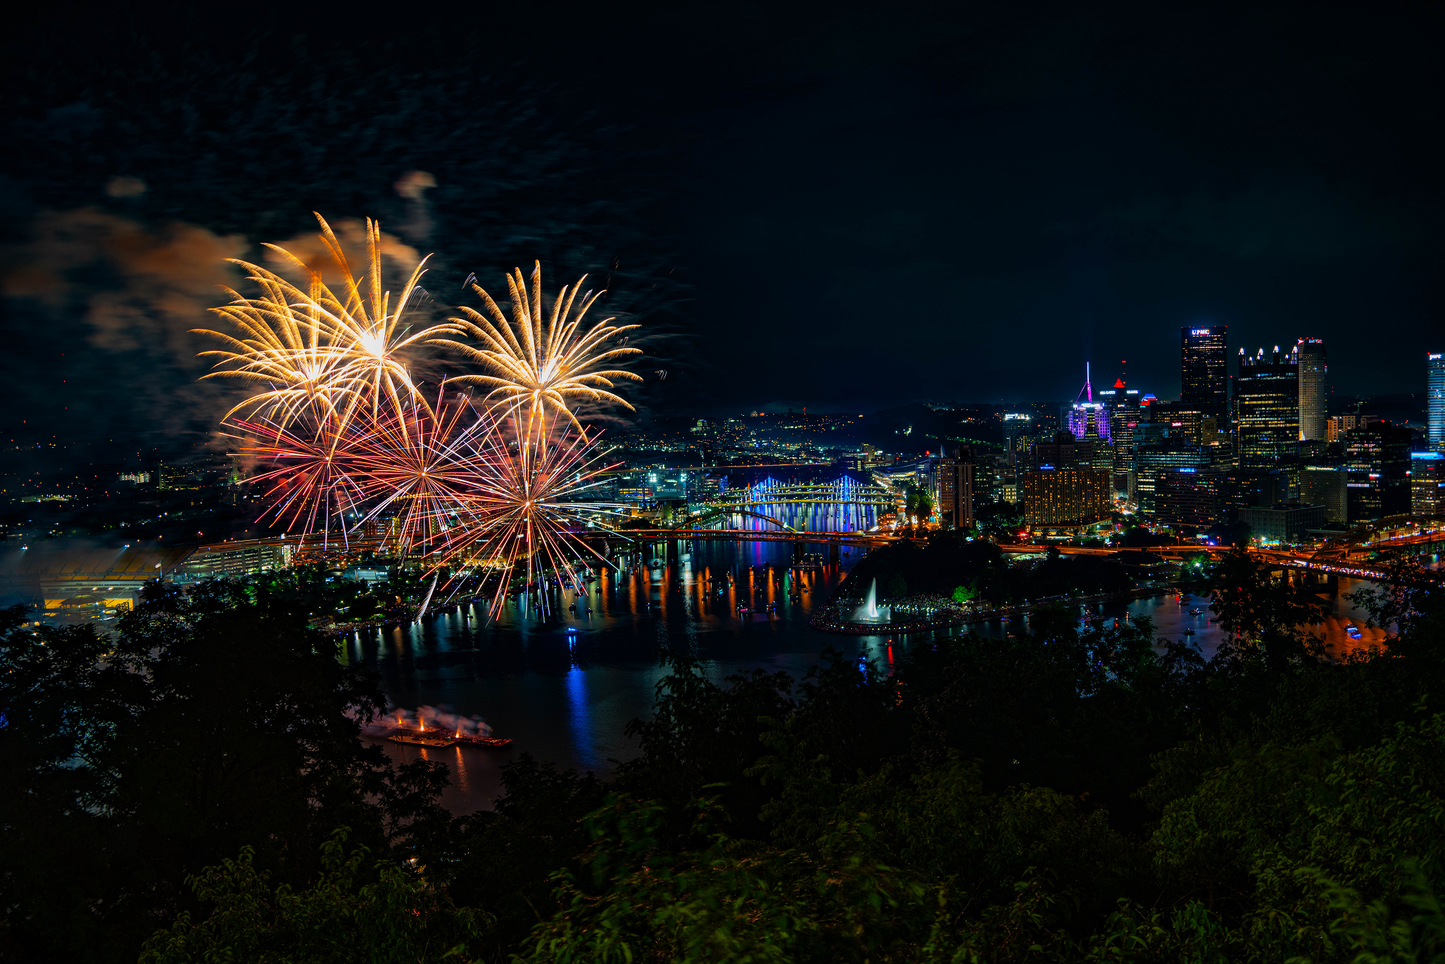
870,611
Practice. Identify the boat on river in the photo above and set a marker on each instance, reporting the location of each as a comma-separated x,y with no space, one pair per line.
489,741
435,739
440,738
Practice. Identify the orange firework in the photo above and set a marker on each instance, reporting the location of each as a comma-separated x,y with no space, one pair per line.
413,466
531,503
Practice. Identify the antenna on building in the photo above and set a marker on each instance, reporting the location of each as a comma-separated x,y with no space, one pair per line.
1088,389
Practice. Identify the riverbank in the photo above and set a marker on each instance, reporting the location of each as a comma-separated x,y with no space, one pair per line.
1116,597
836,615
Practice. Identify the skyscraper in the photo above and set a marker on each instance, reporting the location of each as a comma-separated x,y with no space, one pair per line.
1266,405
1436,396
1312,390
1427,484
1204,371
954,476
1377,460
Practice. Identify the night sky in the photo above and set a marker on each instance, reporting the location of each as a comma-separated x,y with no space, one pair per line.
835,207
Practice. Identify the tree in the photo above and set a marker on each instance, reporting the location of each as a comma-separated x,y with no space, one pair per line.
1265,617
212,720
350,913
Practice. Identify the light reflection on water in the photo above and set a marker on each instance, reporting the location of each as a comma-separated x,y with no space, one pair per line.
570,703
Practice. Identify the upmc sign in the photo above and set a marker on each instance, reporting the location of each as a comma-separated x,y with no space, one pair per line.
1200,331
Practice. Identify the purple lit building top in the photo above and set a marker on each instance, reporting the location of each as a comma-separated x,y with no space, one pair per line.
1086,411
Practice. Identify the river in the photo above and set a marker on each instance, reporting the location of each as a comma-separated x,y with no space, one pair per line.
567,697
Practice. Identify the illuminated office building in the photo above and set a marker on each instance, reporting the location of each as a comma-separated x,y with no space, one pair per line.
1017,428
1312,388
1090,419
1204,371
1337,425
1155,453
1427,484
1326,485
1266,408
1123,417
1436,399
1066,496
1377,460
955,480
1181,420
1187,497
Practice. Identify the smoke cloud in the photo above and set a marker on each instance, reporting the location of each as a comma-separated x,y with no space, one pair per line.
118,297
440,718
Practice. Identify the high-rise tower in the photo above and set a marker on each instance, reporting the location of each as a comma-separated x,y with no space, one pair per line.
1312,371
1266,401
1436,399
1204,371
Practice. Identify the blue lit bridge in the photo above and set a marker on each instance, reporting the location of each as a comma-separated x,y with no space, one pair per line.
840,506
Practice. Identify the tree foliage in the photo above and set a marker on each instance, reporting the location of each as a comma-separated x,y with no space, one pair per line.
1070,793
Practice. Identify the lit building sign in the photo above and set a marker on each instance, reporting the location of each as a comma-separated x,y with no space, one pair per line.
1200,331
1016,416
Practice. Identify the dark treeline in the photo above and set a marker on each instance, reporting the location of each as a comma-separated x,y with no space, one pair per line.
194,790
944,563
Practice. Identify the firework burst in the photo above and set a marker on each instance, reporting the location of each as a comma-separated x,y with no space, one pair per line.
543,360
324,353
412,466
534,499
347,437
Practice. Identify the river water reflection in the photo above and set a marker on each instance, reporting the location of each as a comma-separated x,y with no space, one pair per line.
567,697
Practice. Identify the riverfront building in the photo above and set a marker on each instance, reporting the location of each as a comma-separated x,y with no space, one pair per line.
1282,523
1427,484
1377,459
1066,496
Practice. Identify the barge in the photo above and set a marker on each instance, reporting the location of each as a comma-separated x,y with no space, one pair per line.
438,738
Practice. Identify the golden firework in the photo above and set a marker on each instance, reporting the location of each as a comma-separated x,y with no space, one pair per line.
324,352
543,360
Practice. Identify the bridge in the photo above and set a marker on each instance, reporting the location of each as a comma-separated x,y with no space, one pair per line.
1383,540
844,505
751,535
